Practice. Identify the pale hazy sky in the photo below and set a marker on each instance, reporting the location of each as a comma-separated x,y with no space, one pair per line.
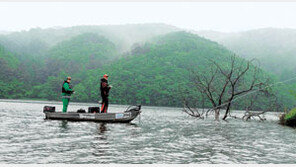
220,16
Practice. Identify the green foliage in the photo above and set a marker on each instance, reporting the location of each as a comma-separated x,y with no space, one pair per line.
8,58
12,89
86,51
292,90
11,85
291,114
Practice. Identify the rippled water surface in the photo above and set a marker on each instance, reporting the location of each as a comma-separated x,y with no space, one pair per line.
160,135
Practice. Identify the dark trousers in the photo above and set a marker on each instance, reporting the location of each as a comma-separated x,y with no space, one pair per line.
105,103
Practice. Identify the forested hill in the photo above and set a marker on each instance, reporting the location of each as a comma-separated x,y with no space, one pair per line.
158,71
11,74
149,65
275,48
79,53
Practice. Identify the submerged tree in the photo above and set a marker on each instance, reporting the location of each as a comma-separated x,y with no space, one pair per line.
224,84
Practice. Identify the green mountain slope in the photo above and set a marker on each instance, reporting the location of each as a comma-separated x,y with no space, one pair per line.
8,59
157,71
72,57
82,52
11,76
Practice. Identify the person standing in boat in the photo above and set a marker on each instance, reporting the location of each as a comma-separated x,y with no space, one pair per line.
66,93
105,88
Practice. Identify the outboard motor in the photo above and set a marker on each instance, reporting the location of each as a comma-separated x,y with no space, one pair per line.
133,108
48,109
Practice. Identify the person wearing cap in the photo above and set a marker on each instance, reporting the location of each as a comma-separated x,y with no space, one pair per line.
66,93
105,88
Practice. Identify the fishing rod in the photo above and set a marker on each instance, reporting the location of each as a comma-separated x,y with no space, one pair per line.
253,91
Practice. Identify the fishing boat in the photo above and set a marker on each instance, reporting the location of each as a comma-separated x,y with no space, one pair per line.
125,117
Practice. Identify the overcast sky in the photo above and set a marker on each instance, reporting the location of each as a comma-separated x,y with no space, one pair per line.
219,16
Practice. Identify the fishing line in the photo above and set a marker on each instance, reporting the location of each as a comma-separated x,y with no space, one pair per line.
253,91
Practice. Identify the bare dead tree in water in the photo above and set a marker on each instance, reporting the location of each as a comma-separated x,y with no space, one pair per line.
195,112
224,84
272,103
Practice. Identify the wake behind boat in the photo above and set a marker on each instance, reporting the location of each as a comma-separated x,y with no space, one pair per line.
125,117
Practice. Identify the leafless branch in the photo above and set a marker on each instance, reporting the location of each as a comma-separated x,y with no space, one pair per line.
224,85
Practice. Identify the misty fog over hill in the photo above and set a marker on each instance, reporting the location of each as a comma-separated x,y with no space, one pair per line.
36,41
274,48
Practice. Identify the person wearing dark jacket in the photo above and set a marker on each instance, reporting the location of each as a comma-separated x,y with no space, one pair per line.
66,93
105,88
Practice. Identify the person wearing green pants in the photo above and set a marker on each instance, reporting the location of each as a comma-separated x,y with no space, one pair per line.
66,93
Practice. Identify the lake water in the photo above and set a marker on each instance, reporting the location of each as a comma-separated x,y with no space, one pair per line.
160,135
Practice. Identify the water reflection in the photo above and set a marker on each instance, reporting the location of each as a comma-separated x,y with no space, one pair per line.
102,128
100,144
63,126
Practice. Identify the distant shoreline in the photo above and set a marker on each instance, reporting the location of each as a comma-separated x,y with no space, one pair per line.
38,101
